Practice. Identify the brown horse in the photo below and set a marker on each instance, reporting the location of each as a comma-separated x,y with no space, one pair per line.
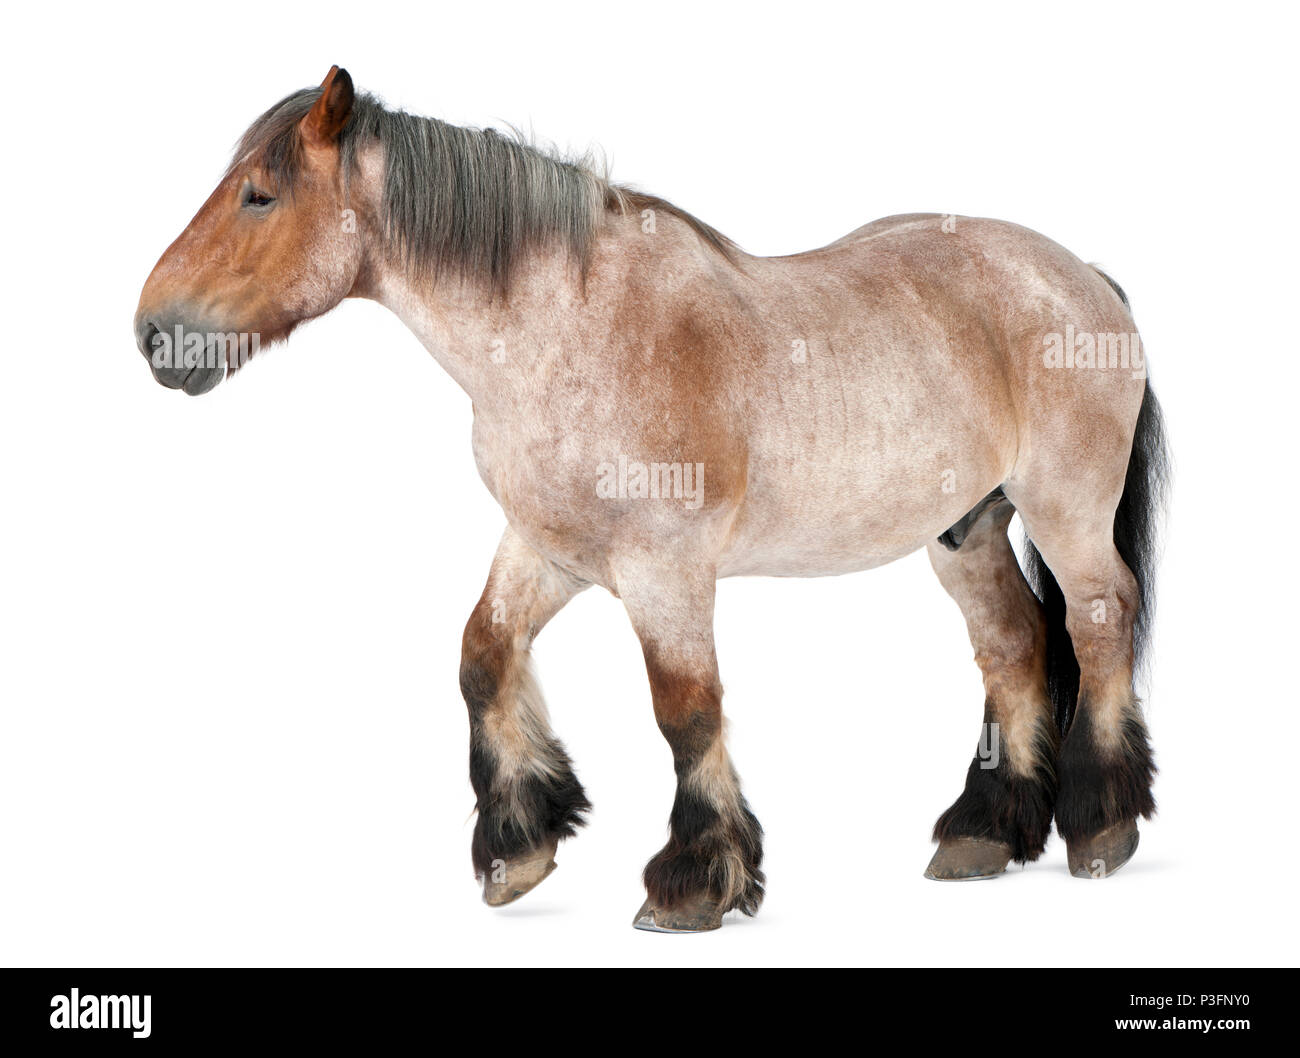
655,409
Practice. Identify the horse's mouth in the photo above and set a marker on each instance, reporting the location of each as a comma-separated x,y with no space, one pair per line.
193,379
200,380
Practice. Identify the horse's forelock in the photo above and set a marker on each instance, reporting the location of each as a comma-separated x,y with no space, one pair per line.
273,142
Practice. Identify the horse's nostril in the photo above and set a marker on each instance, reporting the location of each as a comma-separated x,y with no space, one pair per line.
144,336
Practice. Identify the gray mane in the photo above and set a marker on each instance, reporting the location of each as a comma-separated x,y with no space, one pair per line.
464,200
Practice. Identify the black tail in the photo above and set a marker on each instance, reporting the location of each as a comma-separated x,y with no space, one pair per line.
1136,520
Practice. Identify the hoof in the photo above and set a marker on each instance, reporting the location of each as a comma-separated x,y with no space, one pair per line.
968,859
1104,852
507,881
697,915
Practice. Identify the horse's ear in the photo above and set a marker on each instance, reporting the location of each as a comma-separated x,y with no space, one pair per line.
331,111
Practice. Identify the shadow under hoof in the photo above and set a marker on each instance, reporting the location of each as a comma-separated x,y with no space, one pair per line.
968,860
696,915
507,883
1104,852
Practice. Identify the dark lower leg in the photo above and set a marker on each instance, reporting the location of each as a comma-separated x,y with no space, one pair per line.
527,795
1001,803
1104,780
714,849
1105,786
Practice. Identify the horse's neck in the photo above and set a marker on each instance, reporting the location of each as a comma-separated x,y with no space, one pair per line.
498,349
459,323
477,338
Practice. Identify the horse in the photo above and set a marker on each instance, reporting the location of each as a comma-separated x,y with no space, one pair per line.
655,409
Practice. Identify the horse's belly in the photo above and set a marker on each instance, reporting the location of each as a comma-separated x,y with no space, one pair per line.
814,521
775,560
815,548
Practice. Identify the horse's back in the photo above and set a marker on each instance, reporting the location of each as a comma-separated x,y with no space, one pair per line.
915,381
886,225
988,295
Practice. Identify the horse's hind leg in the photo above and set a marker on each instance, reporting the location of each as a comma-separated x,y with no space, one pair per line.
711,863
1005,811
528,797
1105,766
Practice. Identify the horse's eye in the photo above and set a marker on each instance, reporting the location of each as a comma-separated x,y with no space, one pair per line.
257,198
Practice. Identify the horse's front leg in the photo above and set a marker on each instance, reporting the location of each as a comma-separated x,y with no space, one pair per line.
527,795
711,863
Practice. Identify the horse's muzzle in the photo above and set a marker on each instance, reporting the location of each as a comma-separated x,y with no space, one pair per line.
175,363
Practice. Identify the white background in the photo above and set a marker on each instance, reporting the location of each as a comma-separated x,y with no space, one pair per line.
231,729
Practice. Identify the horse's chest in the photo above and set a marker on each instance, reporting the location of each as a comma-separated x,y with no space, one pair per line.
546,485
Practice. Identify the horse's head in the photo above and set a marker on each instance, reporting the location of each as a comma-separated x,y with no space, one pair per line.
270,248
